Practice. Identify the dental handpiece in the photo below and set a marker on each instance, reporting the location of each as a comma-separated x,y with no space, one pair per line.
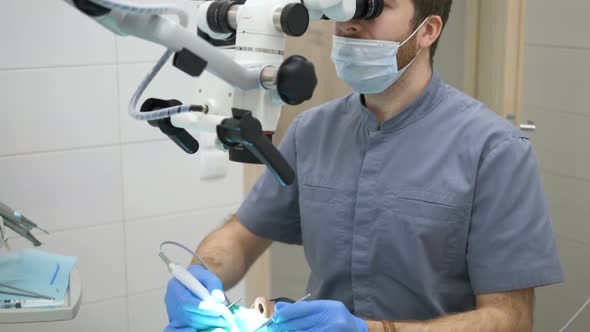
194,285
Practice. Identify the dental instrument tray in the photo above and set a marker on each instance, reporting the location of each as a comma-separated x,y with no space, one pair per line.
67,311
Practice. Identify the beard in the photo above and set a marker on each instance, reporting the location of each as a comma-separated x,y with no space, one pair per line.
407,53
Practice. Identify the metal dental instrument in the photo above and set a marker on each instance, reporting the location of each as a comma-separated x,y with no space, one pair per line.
204,265
234,303
201,262
23,292
267,323
20,224
193,284
3,235
22,231
18,218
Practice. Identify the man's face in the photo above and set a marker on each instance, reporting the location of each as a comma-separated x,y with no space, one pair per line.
394,24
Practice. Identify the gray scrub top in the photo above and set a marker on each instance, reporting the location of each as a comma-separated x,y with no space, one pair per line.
412,219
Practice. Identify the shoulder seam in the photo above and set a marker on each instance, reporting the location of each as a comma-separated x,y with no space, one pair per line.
501,145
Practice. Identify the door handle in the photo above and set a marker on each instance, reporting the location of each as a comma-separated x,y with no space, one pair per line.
529,126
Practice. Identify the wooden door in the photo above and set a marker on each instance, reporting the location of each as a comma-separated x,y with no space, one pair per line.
495,48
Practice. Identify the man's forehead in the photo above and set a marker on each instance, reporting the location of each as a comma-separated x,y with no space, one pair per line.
398,2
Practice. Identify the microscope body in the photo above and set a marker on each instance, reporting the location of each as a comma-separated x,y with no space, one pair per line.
238,90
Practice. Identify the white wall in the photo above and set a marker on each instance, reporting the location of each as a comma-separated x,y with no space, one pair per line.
108,188
450,55
556,86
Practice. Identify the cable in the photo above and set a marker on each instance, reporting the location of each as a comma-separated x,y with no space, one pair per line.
150,9
159,114
201,262
575,316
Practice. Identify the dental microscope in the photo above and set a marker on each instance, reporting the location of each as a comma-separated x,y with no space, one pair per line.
236,55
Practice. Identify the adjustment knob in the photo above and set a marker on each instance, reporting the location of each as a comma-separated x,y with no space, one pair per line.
294,19
296,80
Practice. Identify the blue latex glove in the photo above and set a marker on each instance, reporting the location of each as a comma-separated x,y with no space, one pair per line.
187,312
315,316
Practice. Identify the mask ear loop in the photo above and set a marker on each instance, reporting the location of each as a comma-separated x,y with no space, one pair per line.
414,59
407,39
415,32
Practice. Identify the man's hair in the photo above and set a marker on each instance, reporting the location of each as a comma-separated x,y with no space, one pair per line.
426,8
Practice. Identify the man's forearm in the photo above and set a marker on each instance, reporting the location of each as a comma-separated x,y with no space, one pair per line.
480,320
230,251
224,260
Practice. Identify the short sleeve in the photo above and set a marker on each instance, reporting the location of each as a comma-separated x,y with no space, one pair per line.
271,210
511,242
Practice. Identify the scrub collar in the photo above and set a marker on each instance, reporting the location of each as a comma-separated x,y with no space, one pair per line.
419,108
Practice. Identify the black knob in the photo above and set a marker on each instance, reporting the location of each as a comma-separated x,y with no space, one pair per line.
294,19
217,18
296,80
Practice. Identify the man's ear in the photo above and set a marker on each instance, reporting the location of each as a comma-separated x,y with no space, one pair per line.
430,31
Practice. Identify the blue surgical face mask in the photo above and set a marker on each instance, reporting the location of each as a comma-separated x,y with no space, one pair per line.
368,66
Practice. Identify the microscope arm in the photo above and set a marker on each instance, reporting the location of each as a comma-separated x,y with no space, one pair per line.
172,35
